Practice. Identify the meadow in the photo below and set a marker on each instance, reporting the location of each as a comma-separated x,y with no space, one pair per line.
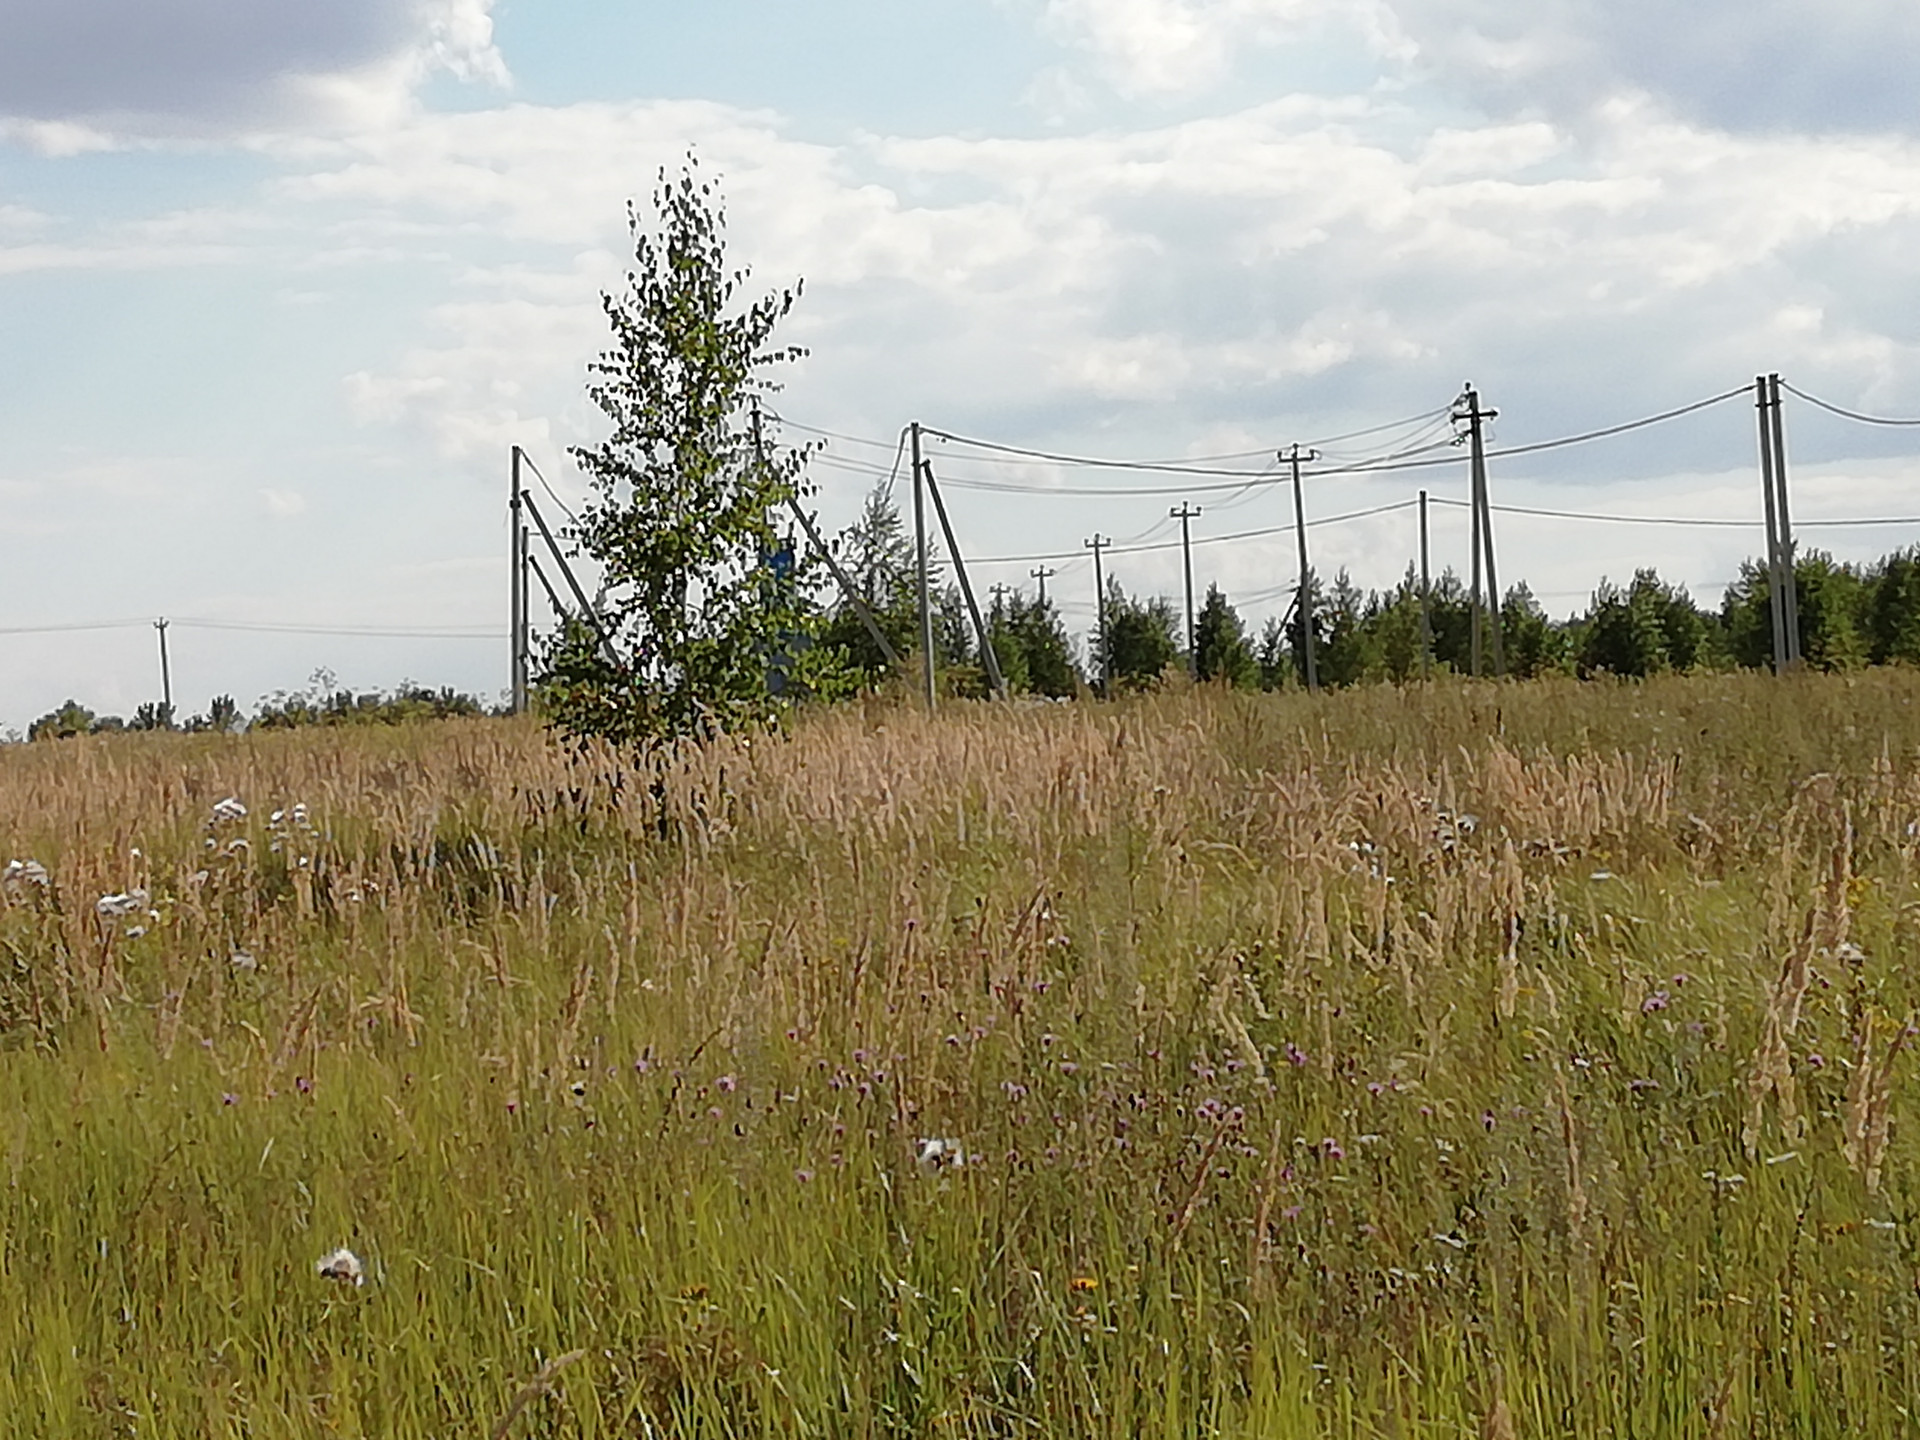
1462,1060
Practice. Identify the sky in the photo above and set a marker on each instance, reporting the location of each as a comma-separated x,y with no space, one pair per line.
280,285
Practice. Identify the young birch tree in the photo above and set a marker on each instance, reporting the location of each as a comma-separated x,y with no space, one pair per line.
706,617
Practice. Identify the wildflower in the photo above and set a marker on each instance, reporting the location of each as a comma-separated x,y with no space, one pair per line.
303,1084
803,1176
1295,1055
1658,1000
231,811
21,873
939,1154
343,1265
112,907
1332,1150
1083,1284
1816,1061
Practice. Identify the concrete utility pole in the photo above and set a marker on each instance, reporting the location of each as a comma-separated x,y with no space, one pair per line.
1104,660
1486,607
1776,583
1789,581
1426,591
1185,513
166,675
1041,575
1304,595
517,584
989,660
920,542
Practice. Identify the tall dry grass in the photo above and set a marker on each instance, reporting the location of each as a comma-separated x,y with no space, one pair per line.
1528,1059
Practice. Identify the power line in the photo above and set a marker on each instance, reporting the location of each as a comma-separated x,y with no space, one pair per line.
1205,539
1845,414
565,509
1683,520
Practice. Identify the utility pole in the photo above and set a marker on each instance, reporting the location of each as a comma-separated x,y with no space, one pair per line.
1790,582
1487,606
920,543
989,660
1426,590
1041,575
1098,543
1185,513
1304,600
1776,571
166,676
517,583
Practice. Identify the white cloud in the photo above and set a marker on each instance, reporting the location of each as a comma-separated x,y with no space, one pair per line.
84,75
283,504
1823,65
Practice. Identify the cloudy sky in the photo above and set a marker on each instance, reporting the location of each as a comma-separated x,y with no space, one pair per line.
280,283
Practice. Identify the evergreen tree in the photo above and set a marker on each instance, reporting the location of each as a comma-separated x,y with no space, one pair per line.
1140,638
1220,644
1893,609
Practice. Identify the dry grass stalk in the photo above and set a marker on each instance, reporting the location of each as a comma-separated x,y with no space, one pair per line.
1868,1117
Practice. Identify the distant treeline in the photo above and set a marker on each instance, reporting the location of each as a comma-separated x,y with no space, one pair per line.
324,702
1850,615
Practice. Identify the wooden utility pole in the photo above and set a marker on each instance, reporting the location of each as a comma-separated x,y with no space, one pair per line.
1185,513
166,676
1426,598
920,543
1486,606
1104,660
517,583
1303,597
1041,575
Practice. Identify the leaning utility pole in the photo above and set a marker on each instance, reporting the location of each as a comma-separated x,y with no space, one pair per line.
1426,600
1487,605
517,583
1770,493
1041,575
1789,580
1185,513
166,675
989,660
1104,663
1304,595
920,544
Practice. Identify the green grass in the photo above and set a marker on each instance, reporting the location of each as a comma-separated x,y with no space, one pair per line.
1292,1103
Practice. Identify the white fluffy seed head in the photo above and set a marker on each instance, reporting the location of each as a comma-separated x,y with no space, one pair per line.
344,1266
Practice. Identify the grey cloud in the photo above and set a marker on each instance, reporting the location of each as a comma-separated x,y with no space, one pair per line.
198,64
1822,65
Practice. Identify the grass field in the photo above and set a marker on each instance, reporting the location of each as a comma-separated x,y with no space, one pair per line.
1473,1061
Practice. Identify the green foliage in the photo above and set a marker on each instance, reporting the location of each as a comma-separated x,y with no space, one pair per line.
223,717
69,720
1140,638
152,715
1893,610
876,551
1643,630
1849,615
325,702
1031,644
1220,644
710,625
